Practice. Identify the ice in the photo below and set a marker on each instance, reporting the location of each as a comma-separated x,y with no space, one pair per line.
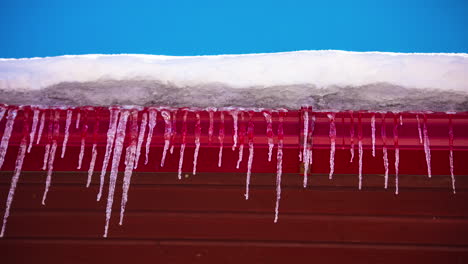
419,130
2,112
234,114
373,134
41,128
141,137
360,149
351,135
242,133
130,153
427,147
17,172
153,114
279,163
211,128
84,131
197,142
46,156
221,138
78,117
114,116
332,135
167,134
53,149
119,140
383,133
94,153
310,139
34,128
174,131
451,151
401,120
7,134
397,151
182,145
250,134
305,152
67,131
269,133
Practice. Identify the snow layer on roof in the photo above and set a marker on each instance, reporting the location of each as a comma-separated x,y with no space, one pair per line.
337,80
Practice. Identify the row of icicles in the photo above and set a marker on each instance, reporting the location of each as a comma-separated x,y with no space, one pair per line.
121,117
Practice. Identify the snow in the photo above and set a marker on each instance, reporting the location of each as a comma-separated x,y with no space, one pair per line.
327,79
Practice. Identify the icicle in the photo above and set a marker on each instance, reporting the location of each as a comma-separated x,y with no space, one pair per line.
360,149
197,142
332,135
141,136
351,135
451,152
383,133
419,130
174,131
373,134
221,138
131,152
167,134
2,112
53,149
310,139
401,120
50,132
34,127
234,114
241,140
41,128
16,174
7,134
305,158
182,145
84,131
119,140
250,133
269,133
279,163
114,116
397,151
78,117
94,150
427,147
211,128
67,132
46,156
153,114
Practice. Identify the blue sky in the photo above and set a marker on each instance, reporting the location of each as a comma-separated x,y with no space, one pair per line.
31,28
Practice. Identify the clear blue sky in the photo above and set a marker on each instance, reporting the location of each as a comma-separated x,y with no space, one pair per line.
31,28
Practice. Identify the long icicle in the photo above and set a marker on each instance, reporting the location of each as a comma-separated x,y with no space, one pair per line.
94,153
250,134
141,137
41,127
305,157
2,112
351,136
221,138
182,145
114,117
373,134
53,149
34,128
332,135
269,133
419,129
310,140
234,114
211,111
397,150
50,132
383,133
197,142
279,162
174,131
167,134
67,131
78,117
427,147
153,114
18,167
7,134
242,132
452,175
119,140
84,132
131,153
360,151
